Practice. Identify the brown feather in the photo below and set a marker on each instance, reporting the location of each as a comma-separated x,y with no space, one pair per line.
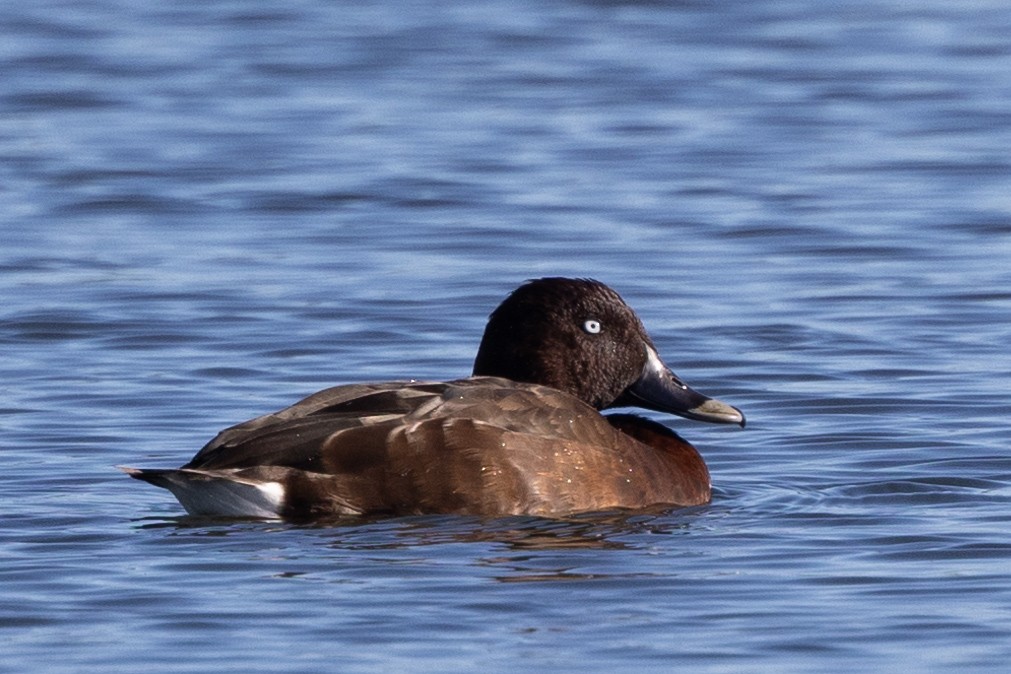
481,445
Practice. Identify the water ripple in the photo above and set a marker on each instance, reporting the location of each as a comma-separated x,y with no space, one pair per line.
212,210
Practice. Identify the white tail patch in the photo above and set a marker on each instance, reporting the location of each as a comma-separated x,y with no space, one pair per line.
216,493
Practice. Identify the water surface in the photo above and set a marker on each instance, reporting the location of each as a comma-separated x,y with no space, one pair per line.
212,209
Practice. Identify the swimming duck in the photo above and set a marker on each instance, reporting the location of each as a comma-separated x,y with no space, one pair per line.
522,435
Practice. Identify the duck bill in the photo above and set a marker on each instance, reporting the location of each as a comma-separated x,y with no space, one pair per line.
659,389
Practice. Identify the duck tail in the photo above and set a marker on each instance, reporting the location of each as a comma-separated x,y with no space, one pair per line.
215,493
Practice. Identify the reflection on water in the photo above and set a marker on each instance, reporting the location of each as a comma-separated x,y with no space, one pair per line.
601,530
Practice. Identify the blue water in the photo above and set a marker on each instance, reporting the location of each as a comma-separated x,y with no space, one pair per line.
211,209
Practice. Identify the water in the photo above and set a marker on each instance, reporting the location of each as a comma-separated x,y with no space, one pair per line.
211,209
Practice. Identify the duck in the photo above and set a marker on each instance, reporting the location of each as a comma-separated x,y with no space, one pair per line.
523,435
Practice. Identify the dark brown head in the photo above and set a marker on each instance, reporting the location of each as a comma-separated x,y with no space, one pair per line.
579,336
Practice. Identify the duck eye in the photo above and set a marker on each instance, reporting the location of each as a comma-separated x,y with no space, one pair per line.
591,326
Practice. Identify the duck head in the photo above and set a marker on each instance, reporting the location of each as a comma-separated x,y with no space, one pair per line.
579,336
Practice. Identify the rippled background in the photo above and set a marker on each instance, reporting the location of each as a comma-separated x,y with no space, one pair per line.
211,209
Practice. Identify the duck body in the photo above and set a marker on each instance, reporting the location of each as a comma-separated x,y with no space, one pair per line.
481,446
522,437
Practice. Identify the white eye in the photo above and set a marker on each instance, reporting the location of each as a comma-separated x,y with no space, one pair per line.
592,326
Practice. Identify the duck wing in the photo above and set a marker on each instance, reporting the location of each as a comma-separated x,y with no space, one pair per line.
294,436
